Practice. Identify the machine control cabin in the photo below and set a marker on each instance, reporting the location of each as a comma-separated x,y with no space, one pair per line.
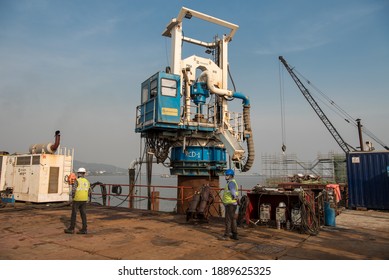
162,107
160,103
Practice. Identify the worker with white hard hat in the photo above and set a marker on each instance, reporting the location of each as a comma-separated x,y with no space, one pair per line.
80,195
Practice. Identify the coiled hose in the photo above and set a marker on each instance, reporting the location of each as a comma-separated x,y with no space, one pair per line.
250,141
244,204
309,221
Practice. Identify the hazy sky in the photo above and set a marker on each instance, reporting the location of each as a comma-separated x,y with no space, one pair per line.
77,67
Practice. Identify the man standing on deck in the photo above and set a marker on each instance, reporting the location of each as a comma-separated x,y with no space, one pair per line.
80,194
230,201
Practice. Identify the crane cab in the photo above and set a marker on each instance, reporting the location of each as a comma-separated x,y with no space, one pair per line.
160,103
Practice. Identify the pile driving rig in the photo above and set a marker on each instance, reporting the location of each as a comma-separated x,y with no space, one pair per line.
184,110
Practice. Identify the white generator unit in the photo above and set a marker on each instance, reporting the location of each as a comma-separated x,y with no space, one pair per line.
37,177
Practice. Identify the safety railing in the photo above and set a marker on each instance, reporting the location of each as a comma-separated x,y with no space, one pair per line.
155,198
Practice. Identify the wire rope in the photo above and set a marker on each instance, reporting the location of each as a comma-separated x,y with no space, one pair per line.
282,100
339,110
229,74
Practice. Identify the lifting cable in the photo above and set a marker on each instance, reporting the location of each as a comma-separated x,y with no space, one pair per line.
339,111
282,99
229,74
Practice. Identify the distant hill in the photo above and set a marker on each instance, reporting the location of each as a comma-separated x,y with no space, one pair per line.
99,168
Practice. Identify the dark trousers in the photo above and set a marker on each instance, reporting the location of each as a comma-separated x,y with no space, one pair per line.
230,221
78,206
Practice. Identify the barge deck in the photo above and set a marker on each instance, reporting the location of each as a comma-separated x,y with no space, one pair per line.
35,232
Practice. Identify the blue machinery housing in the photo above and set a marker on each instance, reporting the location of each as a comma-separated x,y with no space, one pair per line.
198,160
159,116
160,103
160,108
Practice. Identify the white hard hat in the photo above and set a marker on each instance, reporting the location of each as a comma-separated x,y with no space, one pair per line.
81,170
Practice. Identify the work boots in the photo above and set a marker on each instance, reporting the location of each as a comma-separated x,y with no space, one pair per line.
69,231
233,236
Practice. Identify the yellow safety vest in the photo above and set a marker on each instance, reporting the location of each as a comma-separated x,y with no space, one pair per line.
82,190
227,197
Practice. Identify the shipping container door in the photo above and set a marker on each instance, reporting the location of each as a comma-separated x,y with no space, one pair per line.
368,179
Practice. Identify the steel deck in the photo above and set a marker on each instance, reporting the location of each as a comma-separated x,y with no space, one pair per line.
35,232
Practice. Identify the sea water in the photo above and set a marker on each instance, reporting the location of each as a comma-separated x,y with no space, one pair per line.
247,182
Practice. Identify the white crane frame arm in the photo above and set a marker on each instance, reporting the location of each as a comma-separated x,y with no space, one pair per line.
188,13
